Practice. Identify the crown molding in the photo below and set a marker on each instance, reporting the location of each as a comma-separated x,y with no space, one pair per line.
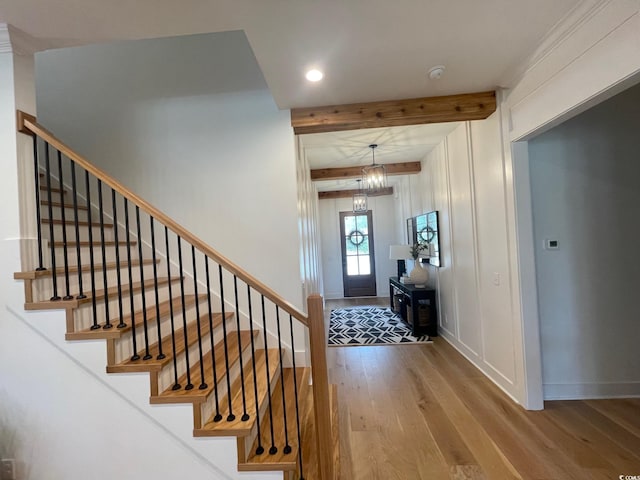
5,39
558,34
14,40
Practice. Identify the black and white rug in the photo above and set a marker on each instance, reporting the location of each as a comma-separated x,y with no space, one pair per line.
369,326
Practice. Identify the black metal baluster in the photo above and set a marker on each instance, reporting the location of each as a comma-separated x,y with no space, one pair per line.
203,384
147,355
245,415
135,355
107,323
217,416
287,447
295,391
260,448
64,229
36,168
273,450
74,188
51,234
189,385
114,207
155,287
231,416
176,385
95,325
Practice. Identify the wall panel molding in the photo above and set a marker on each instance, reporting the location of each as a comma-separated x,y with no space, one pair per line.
602,51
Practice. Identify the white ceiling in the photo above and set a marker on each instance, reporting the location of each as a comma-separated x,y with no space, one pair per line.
351,148
395,144
370,50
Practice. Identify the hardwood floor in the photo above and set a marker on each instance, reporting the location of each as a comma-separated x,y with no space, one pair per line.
424,412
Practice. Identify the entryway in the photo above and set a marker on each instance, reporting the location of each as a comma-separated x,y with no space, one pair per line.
358,259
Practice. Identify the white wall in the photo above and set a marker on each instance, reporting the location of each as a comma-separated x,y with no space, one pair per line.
590,56
585,181
384,234
9,217
308,221
463,179
188,124
74,423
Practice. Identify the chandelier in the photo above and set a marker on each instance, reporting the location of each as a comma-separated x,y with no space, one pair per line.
359,199
374,176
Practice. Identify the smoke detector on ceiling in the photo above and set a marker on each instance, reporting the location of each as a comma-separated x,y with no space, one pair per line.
435,73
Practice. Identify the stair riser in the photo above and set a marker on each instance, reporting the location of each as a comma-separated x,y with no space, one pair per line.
207,408
72,256
83,231
43,287
56,213
124,346
83,316
166,376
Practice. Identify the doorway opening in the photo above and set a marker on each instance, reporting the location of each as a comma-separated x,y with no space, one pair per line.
358,254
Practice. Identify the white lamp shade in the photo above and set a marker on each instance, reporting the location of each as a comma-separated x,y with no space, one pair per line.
399,252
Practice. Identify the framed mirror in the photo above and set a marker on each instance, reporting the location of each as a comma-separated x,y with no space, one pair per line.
431,233
424,229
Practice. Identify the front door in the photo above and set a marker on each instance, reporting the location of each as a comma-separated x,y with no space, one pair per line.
358,266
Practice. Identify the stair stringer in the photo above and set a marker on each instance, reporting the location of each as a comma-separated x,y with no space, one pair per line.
122,402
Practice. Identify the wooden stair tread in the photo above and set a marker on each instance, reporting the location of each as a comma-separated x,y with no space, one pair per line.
113,333
196,395
238,427
280,460
109,243
111,292
71,223
66,205
155,364
34,274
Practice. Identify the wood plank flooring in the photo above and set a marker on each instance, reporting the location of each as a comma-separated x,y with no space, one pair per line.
424,412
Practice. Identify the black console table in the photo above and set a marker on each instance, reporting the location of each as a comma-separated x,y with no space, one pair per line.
416,307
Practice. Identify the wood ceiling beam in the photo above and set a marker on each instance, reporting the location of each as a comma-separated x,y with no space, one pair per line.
393,113
350,193
341,173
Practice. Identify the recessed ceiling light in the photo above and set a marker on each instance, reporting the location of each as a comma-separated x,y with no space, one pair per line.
314,75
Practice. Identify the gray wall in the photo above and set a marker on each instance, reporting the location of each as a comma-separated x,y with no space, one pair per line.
585,178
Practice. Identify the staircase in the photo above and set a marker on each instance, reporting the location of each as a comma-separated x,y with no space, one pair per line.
165,303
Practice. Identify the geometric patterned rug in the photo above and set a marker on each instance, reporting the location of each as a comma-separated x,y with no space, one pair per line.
369,326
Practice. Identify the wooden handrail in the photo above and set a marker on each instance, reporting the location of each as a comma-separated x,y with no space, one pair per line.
321,402
27,123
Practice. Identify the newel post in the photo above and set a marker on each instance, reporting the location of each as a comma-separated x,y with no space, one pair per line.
319,372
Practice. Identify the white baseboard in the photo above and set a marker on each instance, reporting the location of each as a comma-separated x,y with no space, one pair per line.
340,296
333,295
584,391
